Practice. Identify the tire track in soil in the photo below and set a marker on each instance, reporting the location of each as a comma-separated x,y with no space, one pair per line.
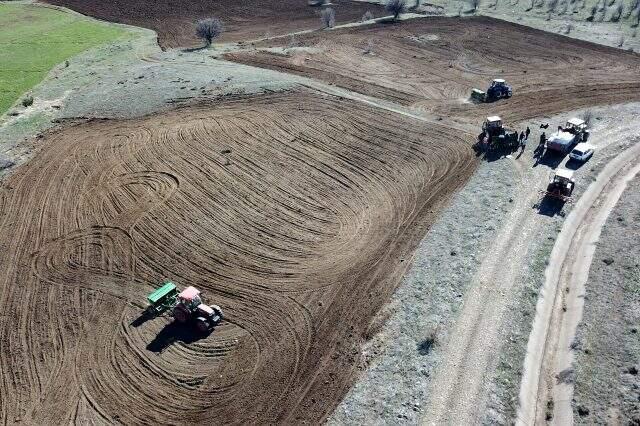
296,213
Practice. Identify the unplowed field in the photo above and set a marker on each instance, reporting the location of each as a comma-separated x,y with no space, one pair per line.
296,213
174,21
433,63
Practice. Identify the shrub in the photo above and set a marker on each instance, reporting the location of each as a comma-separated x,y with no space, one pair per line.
328,17
396,7
208,29
368,16
27,101
587,116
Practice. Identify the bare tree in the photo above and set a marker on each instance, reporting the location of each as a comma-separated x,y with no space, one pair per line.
617,13
587,116
328,17
208,29
396,7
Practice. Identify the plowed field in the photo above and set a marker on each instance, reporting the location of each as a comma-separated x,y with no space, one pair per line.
296,213
433,63
174,21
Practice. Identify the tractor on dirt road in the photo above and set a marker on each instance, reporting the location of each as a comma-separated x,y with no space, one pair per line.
186,306
560,186
574,132
495,136
499,89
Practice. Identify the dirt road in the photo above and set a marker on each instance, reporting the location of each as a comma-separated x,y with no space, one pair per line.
548,366
461,382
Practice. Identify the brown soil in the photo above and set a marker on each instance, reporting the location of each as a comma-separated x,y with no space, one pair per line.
432,64
174,21
296,213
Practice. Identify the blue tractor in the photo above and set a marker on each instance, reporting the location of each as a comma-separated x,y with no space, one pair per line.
498,89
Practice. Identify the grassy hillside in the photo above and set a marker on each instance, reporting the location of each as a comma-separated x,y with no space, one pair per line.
33,39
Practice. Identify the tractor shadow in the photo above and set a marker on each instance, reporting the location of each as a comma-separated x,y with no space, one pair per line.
549,206
491,155
176,332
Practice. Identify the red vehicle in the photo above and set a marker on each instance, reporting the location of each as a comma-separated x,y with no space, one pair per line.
189,308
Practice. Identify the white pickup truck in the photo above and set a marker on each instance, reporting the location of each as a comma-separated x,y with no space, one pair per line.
575,131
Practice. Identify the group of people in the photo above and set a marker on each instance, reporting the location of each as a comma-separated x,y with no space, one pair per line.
524,137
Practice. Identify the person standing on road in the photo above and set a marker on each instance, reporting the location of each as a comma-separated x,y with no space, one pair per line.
543,139
521,137
523,144
526,133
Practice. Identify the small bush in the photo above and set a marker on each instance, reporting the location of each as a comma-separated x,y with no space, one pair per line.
587,116
474,5
208,29
368,16
27,101
328,17
621,41
396,7
368,49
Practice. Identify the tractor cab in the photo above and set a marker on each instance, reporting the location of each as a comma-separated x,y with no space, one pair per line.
498,82
190,298
492,125
575,126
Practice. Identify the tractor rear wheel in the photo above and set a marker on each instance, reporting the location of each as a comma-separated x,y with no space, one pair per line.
180,314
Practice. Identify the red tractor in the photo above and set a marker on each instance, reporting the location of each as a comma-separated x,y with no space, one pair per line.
189,308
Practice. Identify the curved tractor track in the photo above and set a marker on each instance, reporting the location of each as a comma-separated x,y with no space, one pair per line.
297,214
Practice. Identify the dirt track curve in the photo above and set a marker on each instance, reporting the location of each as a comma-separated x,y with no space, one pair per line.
296,213
549,352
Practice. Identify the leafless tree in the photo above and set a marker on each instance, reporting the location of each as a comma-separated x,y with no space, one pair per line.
617,12
328,17
208,29
587,116
396,7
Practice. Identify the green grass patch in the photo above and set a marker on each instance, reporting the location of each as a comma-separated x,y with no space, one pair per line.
34,39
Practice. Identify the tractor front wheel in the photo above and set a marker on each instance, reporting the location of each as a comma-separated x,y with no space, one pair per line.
202,324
